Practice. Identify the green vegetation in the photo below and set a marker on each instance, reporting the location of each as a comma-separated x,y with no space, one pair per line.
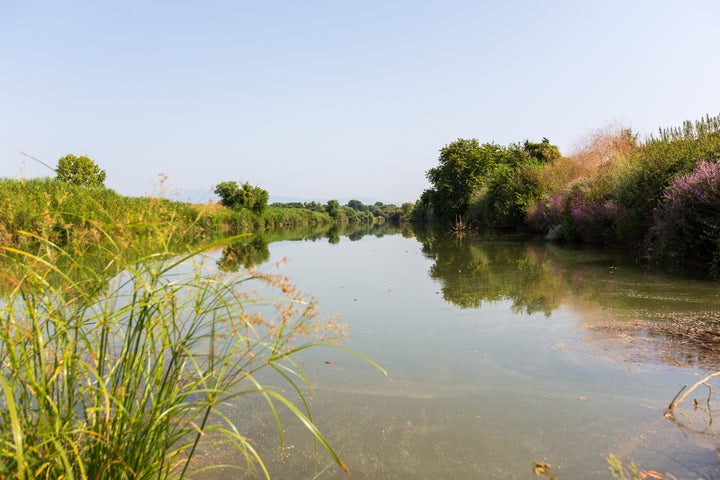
65,213
120,369
658,196
121,345
252,198
355,212
489,184
80,171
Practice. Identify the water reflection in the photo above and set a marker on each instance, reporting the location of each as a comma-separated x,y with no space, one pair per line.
472,271
502,352
672,319
252,249
244,253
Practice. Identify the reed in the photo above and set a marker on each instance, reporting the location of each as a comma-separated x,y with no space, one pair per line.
121,370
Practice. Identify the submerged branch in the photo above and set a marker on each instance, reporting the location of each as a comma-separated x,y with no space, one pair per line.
677,401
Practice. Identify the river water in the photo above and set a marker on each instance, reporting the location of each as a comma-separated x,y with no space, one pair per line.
500,353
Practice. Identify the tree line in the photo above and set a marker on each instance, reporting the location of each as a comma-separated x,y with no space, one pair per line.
660,195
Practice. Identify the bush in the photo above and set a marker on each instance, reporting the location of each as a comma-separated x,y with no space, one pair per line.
510,193
687,223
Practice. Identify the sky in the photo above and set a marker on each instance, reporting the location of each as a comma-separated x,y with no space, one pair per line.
323,99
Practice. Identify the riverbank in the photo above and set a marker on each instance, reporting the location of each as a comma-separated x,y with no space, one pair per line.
658,195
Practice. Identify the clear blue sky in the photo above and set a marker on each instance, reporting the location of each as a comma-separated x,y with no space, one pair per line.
336,99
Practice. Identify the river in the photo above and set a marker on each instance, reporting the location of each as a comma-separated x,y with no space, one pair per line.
500,353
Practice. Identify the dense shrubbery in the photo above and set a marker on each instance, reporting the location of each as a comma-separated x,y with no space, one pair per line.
687,222
488,184
613,190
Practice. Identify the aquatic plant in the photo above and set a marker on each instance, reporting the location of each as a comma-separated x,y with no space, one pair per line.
124,371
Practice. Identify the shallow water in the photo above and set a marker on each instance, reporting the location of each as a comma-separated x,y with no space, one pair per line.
500,353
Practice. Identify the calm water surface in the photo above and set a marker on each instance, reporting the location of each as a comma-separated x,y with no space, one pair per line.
500,353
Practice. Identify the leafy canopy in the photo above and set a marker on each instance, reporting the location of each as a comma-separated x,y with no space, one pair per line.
464,165
236,197
80,171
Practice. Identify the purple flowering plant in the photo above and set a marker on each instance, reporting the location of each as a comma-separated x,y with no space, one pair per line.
687,222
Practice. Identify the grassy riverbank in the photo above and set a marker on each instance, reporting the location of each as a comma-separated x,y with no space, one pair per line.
122,343
64,213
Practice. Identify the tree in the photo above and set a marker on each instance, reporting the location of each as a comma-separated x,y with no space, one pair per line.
229,193
464,166
357,205
80,171
258,198
544,151
233,196
333,208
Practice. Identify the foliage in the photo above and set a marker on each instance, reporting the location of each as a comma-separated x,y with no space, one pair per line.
80,171
543,152
510,191
247,196
464,167
616,190
357,205
333,209
687,222
126,376
641,184
356,212
67,214
488,183
611,190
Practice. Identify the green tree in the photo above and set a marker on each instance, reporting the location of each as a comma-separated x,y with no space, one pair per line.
464,166
509,193
333,208
357,205
80,171
544,151
236,197
229,193
258,198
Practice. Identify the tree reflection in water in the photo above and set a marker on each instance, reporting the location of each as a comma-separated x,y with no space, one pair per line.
672,319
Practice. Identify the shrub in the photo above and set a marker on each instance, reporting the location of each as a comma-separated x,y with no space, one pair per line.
595,219
687,222
510,191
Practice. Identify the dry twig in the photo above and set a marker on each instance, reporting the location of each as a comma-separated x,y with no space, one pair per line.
677,401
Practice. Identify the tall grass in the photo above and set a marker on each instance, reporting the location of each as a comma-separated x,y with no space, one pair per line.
66,214
121,369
